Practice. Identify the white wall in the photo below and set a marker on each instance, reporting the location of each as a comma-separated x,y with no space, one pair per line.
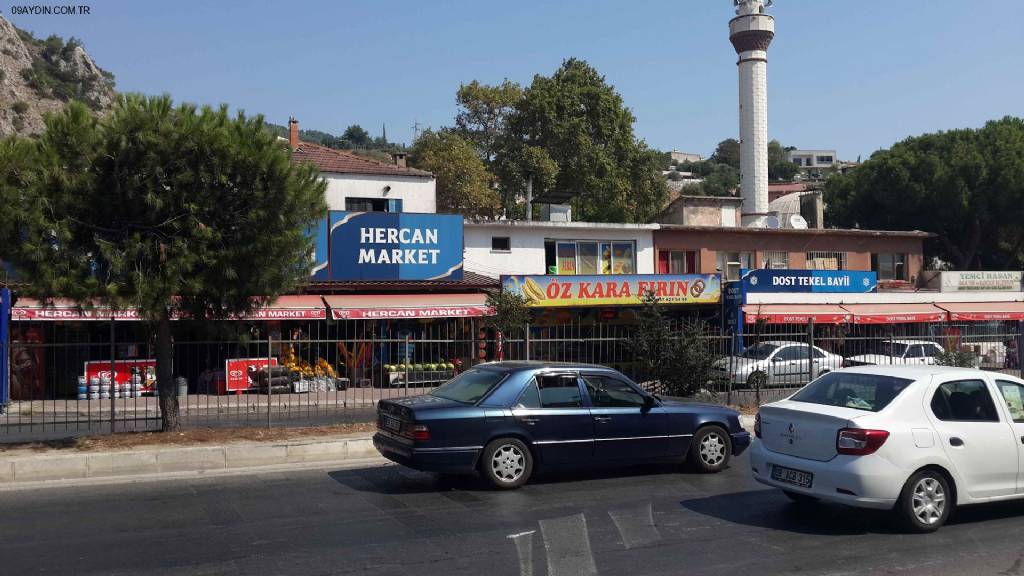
417,194
527,254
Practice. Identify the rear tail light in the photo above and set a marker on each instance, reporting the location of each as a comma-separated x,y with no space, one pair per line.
417,433
860,442
757,425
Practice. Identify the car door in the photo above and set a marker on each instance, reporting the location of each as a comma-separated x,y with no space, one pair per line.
625,426
790,365
975,436
1012,394
552,411
915,355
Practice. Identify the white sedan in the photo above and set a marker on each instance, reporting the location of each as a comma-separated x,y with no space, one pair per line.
899,352
916,439
776,363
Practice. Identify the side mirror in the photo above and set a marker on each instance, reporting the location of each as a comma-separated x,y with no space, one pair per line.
649,403
776,359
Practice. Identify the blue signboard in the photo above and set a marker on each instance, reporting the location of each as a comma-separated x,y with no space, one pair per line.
848,281
393,246
5,347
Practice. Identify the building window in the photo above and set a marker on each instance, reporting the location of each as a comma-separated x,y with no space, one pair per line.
677,262
775,259
890,266
590,257
373,205
745,260
826,261
501,244
824,159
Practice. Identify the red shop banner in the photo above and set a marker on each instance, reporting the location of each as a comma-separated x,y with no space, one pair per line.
417,312
240,373
123,371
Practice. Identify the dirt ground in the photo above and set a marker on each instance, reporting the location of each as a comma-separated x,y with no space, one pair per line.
190,437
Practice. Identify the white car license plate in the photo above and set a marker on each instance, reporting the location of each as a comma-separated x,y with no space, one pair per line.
391,424
791,476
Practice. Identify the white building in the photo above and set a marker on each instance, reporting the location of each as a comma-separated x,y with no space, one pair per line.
494,248
361,184
812,161
678,156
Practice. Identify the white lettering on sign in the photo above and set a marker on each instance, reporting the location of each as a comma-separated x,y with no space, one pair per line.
398,256
397,236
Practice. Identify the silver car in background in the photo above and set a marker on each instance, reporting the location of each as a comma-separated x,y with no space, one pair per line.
776,363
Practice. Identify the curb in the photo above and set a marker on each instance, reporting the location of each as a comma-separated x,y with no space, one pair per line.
18,470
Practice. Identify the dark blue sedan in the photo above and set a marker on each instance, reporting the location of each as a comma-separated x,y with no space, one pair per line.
502,419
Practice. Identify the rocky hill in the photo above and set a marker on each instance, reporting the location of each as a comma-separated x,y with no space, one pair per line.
39,76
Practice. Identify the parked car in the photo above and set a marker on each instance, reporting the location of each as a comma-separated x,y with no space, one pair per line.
919,440
899,352
776,363
503,419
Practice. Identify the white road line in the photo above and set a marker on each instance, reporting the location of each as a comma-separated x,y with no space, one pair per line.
524,549
568,546
636,526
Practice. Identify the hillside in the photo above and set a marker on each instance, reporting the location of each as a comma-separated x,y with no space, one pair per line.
39,76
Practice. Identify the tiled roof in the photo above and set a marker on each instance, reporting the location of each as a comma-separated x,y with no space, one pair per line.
340,162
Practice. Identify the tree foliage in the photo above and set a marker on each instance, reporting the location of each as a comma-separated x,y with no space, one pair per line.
463,183
678,360
483,113
779,168
727,152
357,136
583,126
966,186
162,209
511,311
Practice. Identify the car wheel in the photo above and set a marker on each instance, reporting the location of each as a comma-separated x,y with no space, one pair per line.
710,449
800,499
757,379
506,463
925,502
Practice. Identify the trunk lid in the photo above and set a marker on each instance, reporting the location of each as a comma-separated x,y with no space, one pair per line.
804,430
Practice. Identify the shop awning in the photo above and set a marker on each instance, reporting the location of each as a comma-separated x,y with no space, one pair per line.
384,306
63,309
795,313
291,308
895,313
978,311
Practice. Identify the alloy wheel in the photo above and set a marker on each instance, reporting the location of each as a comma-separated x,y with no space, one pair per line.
929,500
508,463
712,449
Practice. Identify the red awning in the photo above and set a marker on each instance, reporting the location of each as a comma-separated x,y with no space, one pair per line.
291,308
795,313
977,311
63,309
384,306
895,313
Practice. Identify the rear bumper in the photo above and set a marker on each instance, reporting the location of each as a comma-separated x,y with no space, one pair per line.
860,481
454,460
740,442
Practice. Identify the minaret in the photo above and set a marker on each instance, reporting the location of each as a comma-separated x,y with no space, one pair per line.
750,32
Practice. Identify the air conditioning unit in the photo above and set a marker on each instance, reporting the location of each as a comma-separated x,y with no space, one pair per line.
732,271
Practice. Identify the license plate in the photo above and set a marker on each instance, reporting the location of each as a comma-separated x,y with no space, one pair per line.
390,423
790,476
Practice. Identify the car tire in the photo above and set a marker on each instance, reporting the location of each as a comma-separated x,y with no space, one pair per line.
710,449
925,501
757,379
506,463
800,499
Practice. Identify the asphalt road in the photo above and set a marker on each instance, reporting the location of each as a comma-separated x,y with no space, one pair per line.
389,520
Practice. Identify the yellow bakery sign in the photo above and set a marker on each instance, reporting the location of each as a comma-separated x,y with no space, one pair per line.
614,290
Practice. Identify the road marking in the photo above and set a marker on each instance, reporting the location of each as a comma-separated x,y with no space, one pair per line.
524,549
568,546
636,526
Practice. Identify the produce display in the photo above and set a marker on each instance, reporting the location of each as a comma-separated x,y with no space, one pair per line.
303,368
429,367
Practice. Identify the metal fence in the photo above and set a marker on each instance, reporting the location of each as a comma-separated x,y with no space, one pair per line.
61,388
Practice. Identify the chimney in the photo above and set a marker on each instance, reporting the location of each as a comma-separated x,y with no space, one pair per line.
293,133
399,158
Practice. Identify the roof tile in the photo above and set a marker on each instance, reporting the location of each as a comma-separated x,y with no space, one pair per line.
341,162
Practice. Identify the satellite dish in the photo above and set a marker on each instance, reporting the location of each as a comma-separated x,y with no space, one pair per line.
797,222
772,222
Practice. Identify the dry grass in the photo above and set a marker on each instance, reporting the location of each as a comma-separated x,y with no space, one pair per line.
190,437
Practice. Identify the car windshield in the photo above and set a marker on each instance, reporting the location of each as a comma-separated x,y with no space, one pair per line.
759,351
470,386
870,392
893,349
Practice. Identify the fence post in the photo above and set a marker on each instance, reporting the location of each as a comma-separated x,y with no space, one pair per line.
270,387
1020,347
113,375
812,364
5,348
407,360
526,342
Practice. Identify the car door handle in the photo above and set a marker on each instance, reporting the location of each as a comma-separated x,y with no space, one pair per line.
528,421
602,419
954,441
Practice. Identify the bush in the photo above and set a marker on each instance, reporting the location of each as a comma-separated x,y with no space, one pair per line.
960,358
20,107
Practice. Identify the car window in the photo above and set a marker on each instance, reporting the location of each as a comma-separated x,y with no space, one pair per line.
559,391
608,392
530,398
871,392
470,386
932,350
793,353
759,351
893,349
915,351
1013,395
817,353
964,401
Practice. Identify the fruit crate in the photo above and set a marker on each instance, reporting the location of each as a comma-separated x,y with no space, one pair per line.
420,378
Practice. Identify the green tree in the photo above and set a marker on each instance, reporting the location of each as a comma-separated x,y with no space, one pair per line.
165,210
514,170
722,180
966,186
580,121
463,183
356,136
779,168
676,359
727,152
483,112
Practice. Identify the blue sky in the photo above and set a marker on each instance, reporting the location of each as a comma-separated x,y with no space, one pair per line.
855,76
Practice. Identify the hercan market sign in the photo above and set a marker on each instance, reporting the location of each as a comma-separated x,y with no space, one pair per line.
961,281
770,280
617,290
388,246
